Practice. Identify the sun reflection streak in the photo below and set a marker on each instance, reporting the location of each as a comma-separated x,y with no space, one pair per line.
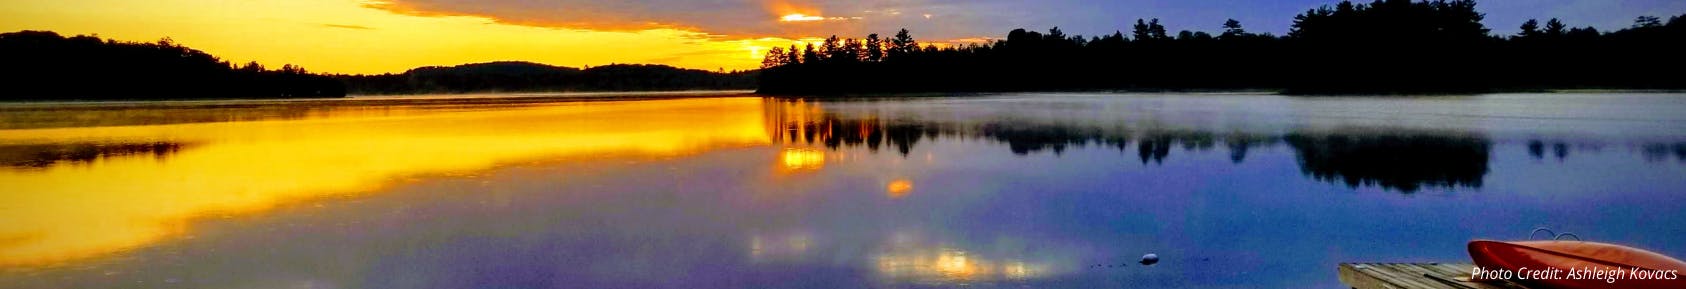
909,259
61,213
953,264
799,159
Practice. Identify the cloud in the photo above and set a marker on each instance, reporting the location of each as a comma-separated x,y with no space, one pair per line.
955,19
734,19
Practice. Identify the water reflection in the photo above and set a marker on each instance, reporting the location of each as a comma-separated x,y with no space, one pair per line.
104,113
27,117
44,155
55,213
1659,152
898,188
800,159
785,248
1403,161
912,260
1026,192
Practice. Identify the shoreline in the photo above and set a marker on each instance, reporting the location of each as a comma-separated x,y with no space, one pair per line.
548,97
417,99
1278,92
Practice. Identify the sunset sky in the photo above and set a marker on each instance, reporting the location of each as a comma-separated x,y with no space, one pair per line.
369,36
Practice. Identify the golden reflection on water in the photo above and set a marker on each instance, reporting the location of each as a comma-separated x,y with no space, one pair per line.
904,257
908,257
796,121
778,248
944,264
898,188
800,159
109,203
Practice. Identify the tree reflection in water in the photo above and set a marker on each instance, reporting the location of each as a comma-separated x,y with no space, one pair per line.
39,156
1402,162
1398,161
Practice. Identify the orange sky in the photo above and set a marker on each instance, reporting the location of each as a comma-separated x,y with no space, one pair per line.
376,36
350,36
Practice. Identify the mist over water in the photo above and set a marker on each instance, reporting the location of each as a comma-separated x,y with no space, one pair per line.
1007,190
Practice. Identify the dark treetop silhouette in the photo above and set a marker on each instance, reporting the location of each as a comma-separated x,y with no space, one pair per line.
1384,47
534,77
45,66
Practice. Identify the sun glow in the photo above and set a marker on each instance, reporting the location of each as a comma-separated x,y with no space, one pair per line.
800,17
339,36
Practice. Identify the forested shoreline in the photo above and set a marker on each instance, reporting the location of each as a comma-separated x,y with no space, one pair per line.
44,65
1383,47
514,76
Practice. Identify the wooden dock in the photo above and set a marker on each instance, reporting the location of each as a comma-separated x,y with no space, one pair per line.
1414,276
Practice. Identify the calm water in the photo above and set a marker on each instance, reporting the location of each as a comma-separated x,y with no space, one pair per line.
1015,190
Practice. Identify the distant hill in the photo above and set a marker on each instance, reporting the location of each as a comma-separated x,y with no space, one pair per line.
42,65
515,76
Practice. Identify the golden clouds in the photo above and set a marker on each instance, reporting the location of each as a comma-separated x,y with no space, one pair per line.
341,36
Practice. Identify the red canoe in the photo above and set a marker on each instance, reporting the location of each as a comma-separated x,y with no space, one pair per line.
1577,265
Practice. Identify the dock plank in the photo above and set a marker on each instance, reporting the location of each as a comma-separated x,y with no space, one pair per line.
1413,276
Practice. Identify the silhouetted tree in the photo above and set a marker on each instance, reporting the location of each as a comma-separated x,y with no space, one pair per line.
1149,30
1647,22
874,48
1157,31
1555,28
809,55
775,57
902,45
1583,33
1196,36
792,57
852,51
1530,29
1232,29
831,50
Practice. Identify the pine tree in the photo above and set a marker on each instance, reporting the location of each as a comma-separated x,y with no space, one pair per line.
1232,29
902,45
874,48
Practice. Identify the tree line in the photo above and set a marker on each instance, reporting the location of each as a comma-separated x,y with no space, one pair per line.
42,65
1381,47
511,76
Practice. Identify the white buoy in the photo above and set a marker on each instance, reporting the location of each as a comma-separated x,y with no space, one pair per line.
1150,259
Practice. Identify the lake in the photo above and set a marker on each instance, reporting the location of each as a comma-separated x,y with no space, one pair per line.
1033,190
